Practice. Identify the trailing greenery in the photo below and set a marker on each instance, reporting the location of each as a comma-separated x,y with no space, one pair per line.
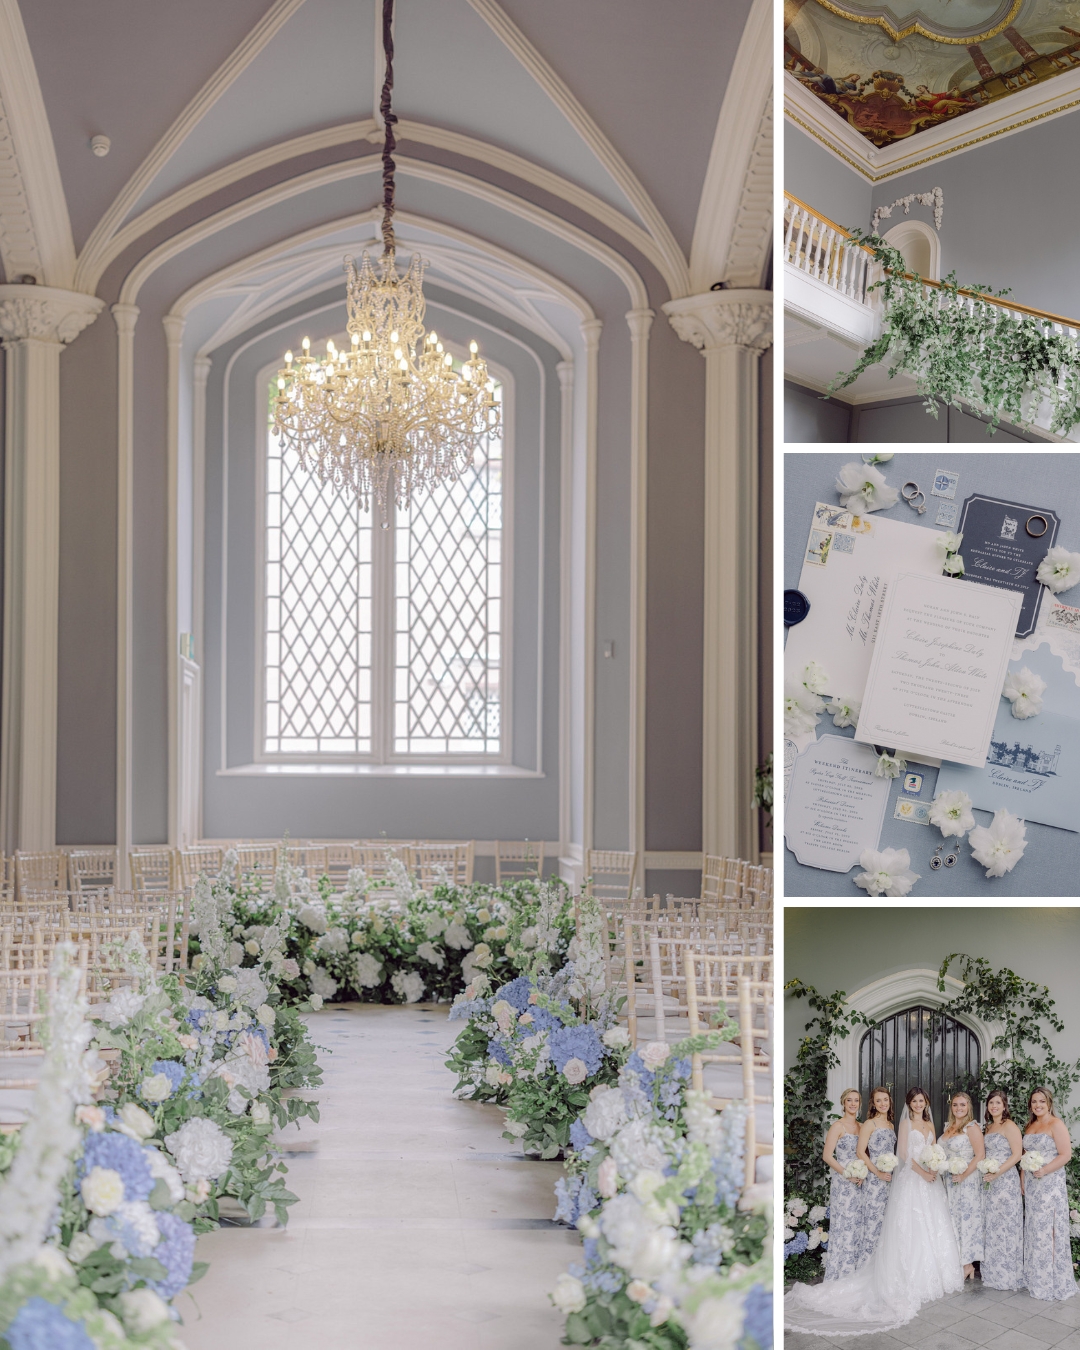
962,353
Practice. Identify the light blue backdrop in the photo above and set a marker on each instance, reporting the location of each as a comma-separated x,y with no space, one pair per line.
1051,863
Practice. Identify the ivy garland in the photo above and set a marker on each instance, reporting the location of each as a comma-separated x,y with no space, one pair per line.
960,349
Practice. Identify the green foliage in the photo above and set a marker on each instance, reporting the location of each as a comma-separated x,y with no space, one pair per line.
960,349
763,786
615,1322
469,1054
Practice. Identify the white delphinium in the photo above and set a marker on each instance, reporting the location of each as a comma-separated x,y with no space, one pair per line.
250,989
122,1006
889,766
951,813
368,970
845,711
814,678
431,954
357,885
586,951
28,1194
862,487
887,873
407,985
401,882
999,846
201,1148
334,942
1059,570
206,921
548,936
643,1143
1024,690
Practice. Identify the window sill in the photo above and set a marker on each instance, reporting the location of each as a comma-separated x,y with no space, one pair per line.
411,771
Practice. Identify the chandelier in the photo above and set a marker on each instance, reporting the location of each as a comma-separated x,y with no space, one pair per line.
388,416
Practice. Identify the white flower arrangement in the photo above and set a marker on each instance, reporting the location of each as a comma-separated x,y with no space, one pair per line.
934,1159
863,487
951,813
889,766
856,1170
989,1167
952,563
1059,570
1032,1161
886,873
409,986
845,711
999,846
887,1162
202,1149
1024,690
956,1166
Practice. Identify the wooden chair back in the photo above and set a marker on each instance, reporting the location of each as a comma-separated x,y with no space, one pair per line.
517,859
609,874
154,870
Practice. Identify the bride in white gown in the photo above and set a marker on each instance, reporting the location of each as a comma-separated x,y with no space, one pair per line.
916,1261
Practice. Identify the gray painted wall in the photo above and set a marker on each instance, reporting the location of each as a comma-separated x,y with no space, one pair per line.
824,182
1010,208
848,948
809,418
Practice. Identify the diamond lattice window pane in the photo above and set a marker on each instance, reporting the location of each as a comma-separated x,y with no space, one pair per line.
448,605
318,614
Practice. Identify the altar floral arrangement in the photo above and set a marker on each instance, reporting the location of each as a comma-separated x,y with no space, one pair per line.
673,1255
934,1159
856,1170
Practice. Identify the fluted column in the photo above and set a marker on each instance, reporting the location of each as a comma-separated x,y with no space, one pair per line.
125,317
731,329
590,332
36,323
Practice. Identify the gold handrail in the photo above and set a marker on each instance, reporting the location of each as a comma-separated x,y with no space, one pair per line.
911,276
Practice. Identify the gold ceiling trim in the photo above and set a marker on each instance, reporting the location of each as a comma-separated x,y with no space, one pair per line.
928,159
899,33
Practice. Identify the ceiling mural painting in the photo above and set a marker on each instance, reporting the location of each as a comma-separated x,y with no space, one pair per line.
893,70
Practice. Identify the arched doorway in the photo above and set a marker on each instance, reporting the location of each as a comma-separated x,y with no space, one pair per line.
920,1047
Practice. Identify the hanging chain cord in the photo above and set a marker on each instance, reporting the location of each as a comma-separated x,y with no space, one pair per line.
389,119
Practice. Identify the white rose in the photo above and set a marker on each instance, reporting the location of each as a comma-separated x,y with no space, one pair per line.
221,1020
136,1123
80,1247
156,1088
142,1310
251,947
91,1116
575,1071
260,1113
102,1190
481,956
312,918
654,1054
568,1294
457,936
201,1148
616,1038
797,1207
605,1113
367,970
637,1291
316,1002
227,984
607,1178
266,1015
235,954
483,915
717,1324
408,986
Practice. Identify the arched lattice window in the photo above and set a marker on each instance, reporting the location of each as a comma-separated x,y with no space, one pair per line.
384,644
920,1047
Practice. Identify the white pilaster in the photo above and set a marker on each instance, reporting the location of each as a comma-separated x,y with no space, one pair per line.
590,331
125,317
731,329
565,370
36,322
640,321
174,341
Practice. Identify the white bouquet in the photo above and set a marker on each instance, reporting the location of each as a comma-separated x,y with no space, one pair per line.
957,1165
934,1159
886,1162
1031,1162
855,1170
989,1167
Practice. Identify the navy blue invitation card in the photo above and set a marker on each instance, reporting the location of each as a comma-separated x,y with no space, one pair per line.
1004,543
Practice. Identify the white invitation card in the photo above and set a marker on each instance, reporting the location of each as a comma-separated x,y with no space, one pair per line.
835,805
939,662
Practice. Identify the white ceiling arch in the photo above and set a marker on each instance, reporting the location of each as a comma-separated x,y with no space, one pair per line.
285,273
422,169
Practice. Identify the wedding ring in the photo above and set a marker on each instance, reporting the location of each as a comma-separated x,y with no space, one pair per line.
916,490
1037,534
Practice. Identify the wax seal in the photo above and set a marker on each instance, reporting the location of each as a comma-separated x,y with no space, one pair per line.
796,608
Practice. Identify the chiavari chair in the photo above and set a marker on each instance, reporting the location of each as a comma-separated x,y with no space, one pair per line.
517,859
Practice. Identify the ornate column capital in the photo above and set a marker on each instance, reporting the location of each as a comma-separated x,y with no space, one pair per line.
590,331
640,321
717,319
45,313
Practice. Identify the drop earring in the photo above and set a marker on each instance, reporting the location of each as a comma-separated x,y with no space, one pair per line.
937,862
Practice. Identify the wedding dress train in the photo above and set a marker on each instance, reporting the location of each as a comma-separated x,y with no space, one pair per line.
916,1261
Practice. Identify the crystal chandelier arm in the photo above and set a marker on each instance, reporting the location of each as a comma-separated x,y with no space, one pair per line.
389,120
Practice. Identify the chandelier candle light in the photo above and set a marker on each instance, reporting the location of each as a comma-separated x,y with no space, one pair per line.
389,416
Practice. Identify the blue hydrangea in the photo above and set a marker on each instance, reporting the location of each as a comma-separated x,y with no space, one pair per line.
176,1252
635,1069
580,1138
542,1020
173,1071
758,1318
123,1155
580,1042
498,1052
566,1191
797,1245
516,993
40,1325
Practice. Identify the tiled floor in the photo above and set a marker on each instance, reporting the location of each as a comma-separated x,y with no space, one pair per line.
417,1226
992,1319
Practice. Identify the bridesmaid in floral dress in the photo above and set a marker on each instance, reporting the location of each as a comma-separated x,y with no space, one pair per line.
844,1196
1048,1271
876,1137
962,1139
1003,1206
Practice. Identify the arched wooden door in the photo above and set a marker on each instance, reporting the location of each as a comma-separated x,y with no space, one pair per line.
920,1047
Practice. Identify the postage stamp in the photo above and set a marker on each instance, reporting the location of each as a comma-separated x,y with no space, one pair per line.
844,543
817,551
948,513
1064,616
913,784
918,813
945,482
831,517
